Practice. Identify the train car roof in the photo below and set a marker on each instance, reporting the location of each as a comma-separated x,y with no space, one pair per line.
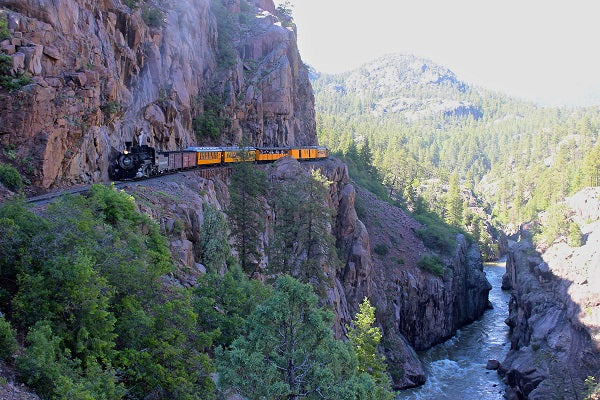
177,151
273,148
235,148
203,149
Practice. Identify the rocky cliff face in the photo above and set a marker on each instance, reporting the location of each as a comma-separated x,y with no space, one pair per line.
555,311
415,308
103,72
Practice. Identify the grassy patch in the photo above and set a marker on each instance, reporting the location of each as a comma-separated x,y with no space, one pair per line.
7,81
437,235
433,264
4,34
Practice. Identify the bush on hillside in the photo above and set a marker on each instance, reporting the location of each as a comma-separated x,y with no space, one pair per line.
4,34
10,177
8,342
433,264
381,249
575,235
437,235
153,17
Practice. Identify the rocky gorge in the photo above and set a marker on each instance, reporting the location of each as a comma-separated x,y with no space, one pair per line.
104,72
554,310
415,308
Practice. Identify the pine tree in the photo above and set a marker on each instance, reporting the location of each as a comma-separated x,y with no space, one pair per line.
454,203
246,211
365,156
213,240
283,243
289,352
365,338
314,223
592,165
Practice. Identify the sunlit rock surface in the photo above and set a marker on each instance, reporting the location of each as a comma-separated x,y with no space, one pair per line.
101,76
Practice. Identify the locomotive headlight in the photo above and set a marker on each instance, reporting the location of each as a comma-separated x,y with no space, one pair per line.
125,152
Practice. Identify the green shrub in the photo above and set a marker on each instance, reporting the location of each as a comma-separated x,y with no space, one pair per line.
7,81
437,235
210,123
555,225
4,34
575,236
11,154
133,4
8,342
10,177
178,227
112,107
433,264
153,17
591,389
381,249
50,370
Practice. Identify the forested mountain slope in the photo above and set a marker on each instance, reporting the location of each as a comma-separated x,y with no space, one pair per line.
422,122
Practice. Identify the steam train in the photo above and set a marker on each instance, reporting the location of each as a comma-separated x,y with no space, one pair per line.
143,161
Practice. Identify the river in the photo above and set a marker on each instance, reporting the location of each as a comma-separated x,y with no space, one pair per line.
456,368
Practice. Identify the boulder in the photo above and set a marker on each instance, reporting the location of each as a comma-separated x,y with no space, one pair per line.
33,58
18,63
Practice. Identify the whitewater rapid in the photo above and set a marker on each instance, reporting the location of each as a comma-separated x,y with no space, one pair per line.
456,368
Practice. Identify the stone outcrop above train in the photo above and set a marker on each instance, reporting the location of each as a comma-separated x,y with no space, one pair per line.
100,74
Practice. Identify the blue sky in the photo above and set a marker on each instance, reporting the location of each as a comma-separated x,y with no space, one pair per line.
546,51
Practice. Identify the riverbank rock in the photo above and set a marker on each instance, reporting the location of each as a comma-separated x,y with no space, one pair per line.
554,313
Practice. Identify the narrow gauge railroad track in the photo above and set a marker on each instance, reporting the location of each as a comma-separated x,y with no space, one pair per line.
204,172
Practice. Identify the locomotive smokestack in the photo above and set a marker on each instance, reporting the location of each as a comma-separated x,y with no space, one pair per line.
128,146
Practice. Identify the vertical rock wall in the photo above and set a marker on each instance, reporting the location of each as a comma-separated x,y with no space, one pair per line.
101,75
415,309
555,311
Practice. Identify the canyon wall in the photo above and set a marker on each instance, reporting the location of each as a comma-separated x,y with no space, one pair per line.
555,310
102,73
415,308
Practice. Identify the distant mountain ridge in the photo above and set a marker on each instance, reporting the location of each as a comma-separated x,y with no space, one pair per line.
402,85
421,122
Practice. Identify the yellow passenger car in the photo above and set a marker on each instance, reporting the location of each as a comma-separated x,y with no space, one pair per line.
238,154
207,155
271,153
322,152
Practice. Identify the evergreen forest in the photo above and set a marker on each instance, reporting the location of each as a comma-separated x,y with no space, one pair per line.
89,309
422,132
